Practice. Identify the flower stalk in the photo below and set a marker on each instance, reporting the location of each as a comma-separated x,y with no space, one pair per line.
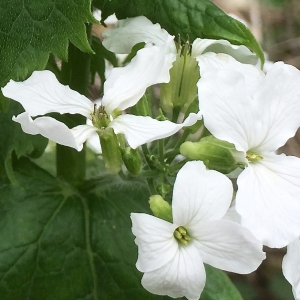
71,164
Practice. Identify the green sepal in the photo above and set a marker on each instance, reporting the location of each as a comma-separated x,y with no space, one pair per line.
142,107
181,90
161,208
132,160
110,151
216,154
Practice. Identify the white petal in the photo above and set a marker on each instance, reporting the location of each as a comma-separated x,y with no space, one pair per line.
232,214
210,61
184,275
51,129
82,132
200,194
139,130
278,98
155,241
228,246
126,85
42,93
240,53
291,267
132,31
93,143
229,113
268,199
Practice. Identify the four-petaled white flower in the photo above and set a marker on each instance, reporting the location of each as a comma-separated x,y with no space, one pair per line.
291,267
41,93
258,113
171,255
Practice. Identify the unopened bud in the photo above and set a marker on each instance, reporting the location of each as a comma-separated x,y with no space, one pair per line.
132,160
216,154
110,151
181,90
161,208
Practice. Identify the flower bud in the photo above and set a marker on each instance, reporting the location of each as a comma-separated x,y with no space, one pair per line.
216,154
181,90
161,208
110,151
132,160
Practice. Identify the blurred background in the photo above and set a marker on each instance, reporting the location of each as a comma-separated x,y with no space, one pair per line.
276,25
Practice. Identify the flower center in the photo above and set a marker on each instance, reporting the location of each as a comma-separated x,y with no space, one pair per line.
253,157
182,235
100,118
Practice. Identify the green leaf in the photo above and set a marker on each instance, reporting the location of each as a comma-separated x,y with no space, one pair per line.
98,60
14,140
59,243
218,286
30,30
187,18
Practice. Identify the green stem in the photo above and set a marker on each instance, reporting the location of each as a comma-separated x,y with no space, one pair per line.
176,112
183,138
70,164
150,181
161,150
146,154
151,186
177,166
172,154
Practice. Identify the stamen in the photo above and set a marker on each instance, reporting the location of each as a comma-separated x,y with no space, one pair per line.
182,235
253,157
100,118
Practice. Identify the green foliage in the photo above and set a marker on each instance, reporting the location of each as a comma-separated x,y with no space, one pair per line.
15,141
218,286
98,60
59,243
30,30
187,18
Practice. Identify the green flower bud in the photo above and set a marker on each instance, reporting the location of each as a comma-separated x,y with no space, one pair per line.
161,208
181,90
216,154
132,160
110,151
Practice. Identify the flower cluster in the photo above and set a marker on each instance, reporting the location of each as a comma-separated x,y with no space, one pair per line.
248,114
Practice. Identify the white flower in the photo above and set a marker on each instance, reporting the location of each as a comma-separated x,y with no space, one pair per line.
41,93
258,113
132,31
291,267
172,255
